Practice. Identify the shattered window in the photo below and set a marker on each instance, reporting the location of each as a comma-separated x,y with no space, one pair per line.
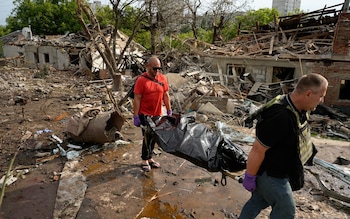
47,58
74,59
36,58
282,74
344,91
235,70
230,70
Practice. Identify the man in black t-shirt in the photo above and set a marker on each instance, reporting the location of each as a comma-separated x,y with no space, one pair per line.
282,146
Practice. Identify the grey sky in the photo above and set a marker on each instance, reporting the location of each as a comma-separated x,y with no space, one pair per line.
5,10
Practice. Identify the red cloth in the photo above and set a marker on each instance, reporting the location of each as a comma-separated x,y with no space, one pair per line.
151,94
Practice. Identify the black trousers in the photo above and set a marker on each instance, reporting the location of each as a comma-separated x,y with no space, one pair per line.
149,141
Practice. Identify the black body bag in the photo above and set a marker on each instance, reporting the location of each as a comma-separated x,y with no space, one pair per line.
181,136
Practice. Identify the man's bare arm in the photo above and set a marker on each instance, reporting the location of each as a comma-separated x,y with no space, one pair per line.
255,158
137,102
166,100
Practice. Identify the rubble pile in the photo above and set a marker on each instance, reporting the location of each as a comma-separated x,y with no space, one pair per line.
303,34
200,91
60,95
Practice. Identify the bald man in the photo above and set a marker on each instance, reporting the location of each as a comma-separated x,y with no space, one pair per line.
150,93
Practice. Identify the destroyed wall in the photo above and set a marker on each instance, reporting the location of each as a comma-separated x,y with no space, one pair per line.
35,55
337,69
267,70
262,69
338,75
341,42
55,56
13,51
60,52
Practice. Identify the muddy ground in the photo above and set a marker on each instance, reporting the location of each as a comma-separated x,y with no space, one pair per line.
37,104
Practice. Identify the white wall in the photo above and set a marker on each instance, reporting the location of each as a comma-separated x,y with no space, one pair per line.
11,51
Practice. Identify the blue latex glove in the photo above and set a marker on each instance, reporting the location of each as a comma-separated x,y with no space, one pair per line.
137,121
249,182
169,112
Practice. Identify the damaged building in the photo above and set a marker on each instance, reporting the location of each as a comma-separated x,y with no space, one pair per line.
70,51
314,42
60,52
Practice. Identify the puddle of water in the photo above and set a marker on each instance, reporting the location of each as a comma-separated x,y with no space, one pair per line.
154,207
157,209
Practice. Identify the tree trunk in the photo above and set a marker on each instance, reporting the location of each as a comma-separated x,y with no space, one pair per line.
117,82
98,40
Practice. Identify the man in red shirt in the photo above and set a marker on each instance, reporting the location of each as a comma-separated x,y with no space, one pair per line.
150,92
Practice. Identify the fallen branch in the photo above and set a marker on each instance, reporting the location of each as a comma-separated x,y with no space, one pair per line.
2,193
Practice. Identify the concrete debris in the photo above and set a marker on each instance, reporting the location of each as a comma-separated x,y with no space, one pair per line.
13,177
70,192
209,108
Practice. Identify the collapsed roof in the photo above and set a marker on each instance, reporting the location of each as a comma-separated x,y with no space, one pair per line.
306,33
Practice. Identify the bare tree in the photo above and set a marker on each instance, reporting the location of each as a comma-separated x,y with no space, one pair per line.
152,22
193,6
164,18
96,36
99,42
118,8
223,11
217,28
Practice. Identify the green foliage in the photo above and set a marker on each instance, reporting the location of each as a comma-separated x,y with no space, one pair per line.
105,16
178,44
128,18
185,29
46,17
144,38
230,31
248,21
4,30
262,16
205,35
